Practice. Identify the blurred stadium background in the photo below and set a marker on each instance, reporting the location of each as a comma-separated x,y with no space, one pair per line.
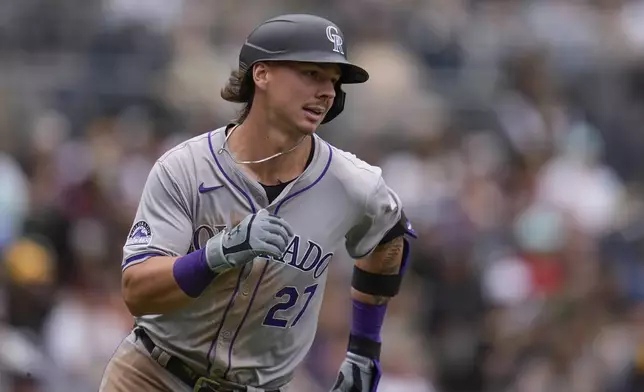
513,131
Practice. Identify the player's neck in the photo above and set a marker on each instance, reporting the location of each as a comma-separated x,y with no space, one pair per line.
254,140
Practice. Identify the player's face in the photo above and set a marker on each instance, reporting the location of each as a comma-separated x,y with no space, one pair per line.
300,94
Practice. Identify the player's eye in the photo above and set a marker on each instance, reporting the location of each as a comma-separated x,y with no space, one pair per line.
313,74
320,76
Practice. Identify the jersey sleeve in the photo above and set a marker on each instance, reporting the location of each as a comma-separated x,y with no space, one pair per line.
382,211
162,225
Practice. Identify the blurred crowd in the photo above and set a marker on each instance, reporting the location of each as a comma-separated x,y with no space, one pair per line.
512,130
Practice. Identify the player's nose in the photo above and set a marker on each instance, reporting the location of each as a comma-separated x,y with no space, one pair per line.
327,88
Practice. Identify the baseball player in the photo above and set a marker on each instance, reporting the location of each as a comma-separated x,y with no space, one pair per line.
225,265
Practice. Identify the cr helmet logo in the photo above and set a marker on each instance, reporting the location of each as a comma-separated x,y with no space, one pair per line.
333,35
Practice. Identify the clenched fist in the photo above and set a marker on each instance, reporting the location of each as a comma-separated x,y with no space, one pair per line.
258,235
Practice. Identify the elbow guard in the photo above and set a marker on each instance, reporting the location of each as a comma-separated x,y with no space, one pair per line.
401,228
377,284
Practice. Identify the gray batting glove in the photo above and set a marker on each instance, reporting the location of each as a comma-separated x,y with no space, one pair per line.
357,374
258,235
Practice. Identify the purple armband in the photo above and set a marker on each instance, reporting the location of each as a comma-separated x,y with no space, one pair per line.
368,320
192,273
365,335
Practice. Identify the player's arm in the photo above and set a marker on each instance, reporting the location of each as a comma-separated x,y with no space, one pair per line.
377,277
384,265
159,235
158,277
163,284
151,287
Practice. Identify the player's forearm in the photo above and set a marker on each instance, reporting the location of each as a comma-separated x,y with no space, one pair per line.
376,279
385,260
368,299
163,284
151,287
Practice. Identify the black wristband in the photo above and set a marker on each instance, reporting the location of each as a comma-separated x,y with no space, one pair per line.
375,284
364,347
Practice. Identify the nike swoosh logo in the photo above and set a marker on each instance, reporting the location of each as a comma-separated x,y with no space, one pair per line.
205,189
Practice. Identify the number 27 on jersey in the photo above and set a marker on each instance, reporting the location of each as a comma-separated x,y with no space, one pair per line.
290,297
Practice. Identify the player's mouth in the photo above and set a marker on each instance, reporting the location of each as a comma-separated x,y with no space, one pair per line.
314,113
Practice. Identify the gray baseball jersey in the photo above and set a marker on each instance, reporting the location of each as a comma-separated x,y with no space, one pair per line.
255,325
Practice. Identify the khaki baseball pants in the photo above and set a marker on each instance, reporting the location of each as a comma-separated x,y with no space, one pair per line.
132,369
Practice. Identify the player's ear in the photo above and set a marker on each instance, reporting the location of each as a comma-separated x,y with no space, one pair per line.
260,75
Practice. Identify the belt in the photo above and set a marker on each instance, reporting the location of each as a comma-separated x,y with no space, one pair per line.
182,371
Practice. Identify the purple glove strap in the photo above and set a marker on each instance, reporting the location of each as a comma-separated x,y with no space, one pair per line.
192,273
377,373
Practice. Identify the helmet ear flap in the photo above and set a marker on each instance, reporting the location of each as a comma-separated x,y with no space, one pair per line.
338,104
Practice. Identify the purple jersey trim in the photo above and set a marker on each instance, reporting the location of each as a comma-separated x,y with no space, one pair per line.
213,344
230,180
289,197
140,257
259,281
252,298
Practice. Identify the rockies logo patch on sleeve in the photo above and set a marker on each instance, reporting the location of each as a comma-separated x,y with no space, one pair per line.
140,234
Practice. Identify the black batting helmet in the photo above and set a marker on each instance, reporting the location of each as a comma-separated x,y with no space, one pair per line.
306,38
